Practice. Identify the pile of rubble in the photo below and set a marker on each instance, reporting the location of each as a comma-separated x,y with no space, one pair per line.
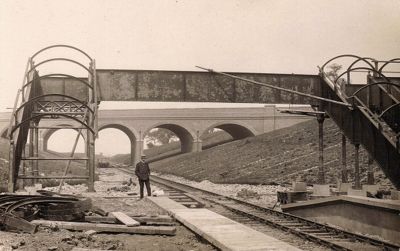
25,213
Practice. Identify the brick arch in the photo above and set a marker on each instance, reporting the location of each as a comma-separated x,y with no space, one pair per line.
46,135
237,130
130,132
185,135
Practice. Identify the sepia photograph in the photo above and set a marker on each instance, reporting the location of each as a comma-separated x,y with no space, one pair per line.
182,125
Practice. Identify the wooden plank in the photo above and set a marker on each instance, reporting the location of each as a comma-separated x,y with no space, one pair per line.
156,218
12,222
108,228
128,221
86,249
143,220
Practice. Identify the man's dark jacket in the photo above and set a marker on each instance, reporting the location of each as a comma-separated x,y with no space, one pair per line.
142,170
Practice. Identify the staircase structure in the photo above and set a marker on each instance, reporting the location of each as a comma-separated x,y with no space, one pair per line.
372,114
37,101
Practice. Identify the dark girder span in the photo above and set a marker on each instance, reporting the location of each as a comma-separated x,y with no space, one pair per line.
277,88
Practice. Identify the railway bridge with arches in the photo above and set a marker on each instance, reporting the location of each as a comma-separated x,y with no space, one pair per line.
189,124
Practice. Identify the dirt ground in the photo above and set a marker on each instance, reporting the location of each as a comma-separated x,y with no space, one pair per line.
108,198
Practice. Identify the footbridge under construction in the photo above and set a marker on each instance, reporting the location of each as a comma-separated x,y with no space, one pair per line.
367,114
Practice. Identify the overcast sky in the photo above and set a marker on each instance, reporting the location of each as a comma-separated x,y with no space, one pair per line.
254,36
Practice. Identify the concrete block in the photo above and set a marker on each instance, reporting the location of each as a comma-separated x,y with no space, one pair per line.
6,248
299,187
395,194
354,192
321,190
373,189
343,187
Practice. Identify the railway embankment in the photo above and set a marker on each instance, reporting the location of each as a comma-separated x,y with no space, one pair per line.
278,157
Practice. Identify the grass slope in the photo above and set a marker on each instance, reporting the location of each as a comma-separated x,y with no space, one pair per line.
282,156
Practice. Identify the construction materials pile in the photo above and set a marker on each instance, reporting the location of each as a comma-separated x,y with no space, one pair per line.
24,213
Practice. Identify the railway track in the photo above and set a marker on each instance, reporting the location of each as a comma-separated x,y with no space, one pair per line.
263,218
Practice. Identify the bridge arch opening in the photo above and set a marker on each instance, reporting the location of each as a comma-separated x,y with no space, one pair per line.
116,143
225,132
186,138
62,141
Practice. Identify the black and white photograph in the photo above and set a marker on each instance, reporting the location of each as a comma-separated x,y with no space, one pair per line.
183,125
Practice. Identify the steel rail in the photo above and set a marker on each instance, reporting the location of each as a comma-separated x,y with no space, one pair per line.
38,200
320,226
276,87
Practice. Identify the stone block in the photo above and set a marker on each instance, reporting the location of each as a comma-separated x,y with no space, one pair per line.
372,189
343,187
395,194
299,187
321,190
355,192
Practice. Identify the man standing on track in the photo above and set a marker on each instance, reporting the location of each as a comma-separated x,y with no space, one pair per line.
142,171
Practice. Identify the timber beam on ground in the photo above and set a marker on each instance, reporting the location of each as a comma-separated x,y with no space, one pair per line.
108,228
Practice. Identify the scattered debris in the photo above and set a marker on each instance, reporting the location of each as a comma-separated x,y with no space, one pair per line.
246,193
63,212
158,193
120,189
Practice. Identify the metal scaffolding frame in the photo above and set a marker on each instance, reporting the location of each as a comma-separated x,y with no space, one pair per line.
36,103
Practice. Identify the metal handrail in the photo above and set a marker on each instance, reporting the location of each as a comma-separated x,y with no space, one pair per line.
60,75
346,55
56,95
394,60
61,59
361,68
19,92
61,45
50,114
377,83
